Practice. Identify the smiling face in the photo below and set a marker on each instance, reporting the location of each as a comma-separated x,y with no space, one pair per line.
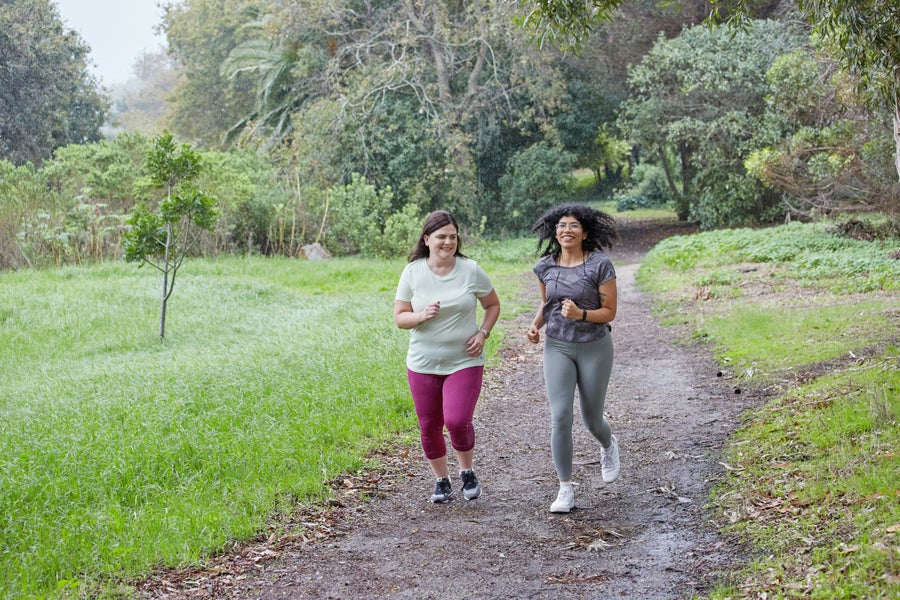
442,242
570,234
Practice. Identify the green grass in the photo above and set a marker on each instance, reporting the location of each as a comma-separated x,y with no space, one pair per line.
816,488
807,253
119,453
812,317
754,337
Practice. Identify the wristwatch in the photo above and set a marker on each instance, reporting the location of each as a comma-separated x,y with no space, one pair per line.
486,333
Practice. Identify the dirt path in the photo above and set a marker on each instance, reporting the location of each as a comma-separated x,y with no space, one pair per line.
645,536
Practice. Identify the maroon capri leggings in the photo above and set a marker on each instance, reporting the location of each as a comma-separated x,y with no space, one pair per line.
446,400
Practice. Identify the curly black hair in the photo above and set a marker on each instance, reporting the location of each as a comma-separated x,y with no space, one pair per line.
599,226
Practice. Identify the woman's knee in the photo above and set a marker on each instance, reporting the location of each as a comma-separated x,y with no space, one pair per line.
462,435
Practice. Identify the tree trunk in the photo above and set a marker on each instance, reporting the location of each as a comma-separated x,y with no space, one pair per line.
165,282
682,204
687,177
897,135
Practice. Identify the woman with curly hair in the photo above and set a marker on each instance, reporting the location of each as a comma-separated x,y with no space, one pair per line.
578,301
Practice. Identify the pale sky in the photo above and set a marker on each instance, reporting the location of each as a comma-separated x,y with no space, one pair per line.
117,31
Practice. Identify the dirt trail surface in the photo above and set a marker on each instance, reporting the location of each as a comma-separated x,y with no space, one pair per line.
645,536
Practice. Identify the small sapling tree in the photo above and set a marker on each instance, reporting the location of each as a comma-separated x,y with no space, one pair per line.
162,238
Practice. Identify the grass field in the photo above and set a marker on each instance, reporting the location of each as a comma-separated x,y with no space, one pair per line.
119,452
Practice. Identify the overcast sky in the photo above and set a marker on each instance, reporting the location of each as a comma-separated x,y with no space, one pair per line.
117,31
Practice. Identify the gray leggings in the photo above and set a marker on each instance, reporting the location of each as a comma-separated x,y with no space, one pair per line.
587,365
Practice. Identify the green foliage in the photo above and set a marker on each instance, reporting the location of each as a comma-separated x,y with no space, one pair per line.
170,165
47,96
285,80
565,23
865,34
23,193
104,173
434,116
537,178
650,189
701,97
818,159
200,34
253,207
610,159
589,110
364,223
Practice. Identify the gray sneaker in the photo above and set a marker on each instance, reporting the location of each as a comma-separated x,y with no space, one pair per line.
471,489
442,491
609,461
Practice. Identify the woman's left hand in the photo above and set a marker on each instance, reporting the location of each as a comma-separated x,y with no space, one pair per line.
475,345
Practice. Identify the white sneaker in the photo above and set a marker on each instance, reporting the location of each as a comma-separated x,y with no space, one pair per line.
565,500
609,461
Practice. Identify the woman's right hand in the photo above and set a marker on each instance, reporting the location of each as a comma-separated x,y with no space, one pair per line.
534,334
431,311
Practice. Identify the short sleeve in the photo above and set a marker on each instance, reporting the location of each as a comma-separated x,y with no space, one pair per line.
404,287
483,285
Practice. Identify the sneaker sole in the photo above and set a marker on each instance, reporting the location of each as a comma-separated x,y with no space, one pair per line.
469,496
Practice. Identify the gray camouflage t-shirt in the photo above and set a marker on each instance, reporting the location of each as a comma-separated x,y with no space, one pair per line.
581,284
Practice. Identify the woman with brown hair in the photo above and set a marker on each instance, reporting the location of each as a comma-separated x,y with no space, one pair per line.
436,300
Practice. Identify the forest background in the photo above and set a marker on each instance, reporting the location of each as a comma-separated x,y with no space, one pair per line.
344,122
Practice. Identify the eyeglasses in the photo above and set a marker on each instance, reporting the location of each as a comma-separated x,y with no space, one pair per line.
574,226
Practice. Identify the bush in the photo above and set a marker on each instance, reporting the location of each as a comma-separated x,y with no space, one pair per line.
362,222
536,178
650,189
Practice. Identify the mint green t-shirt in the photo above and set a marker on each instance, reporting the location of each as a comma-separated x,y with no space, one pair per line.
438,346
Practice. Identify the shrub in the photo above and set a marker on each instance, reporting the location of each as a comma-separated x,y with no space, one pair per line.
650,189
537,178
362,221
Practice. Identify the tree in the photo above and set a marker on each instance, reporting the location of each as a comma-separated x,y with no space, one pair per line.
288,76
162,238
47,97
141,104
829,153
427,98
701,98
200,34
866,34
537,178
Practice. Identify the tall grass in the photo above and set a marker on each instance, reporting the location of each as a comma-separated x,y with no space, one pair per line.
119,453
